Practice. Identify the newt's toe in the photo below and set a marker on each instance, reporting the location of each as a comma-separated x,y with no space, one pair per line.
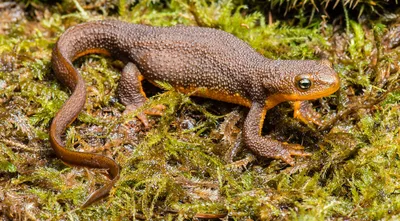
300,153
293,150
287,159
143,118
305,113
292,146
157,110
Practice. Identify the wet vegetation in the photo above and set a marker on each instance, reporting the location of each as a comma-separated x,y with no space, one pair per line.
191,162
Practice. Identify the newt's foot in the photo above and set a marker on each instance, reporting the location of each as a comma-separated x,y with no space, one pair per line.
292,150
157,110
266,146
304,112
154,111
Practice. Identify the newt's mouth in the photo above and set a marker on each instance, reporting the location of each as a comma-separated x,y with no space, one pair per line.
278,98
333,84
318,94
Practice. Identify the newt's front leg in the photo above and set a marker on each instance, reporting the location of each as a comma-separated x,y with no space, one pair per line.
303,111
266,146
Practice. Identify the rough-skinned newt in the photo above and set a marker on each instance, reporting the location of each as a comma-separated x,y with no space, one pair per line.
203,61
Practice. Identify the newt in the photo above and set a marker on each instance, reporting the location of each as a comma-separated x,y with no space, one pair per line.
206,62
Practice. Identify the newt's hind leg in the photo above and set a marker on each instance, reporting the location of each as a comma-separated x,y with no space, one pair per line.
131,93
130,90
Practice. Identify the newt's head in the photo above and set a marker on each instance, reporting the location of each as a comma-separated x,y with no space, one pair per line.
296,80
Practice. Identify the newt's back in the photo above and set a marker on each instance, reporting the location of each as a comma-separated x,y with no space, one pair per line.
182,56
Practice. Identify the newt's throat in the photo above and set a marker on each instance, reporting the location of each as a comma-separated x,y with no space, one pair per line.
278,98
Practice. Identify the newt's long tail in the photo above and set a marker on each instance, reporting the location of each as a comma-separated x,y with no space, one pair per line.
64,53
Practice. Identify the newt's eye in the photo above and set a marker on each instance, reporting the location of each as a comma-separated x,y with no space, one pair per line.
304,83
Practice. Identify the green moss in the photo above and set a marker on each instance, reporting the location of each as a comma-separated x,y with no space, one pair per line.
5,165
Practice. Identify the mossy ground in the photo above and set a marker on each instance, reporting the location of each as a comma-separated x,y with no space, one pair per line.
191,161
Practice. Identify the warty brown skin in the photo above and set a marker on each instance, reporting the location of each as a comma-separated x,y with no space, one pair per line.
222,66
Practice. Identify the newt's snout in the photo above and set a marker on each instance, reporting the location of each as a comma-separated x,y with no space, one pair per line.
329,82
296,80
